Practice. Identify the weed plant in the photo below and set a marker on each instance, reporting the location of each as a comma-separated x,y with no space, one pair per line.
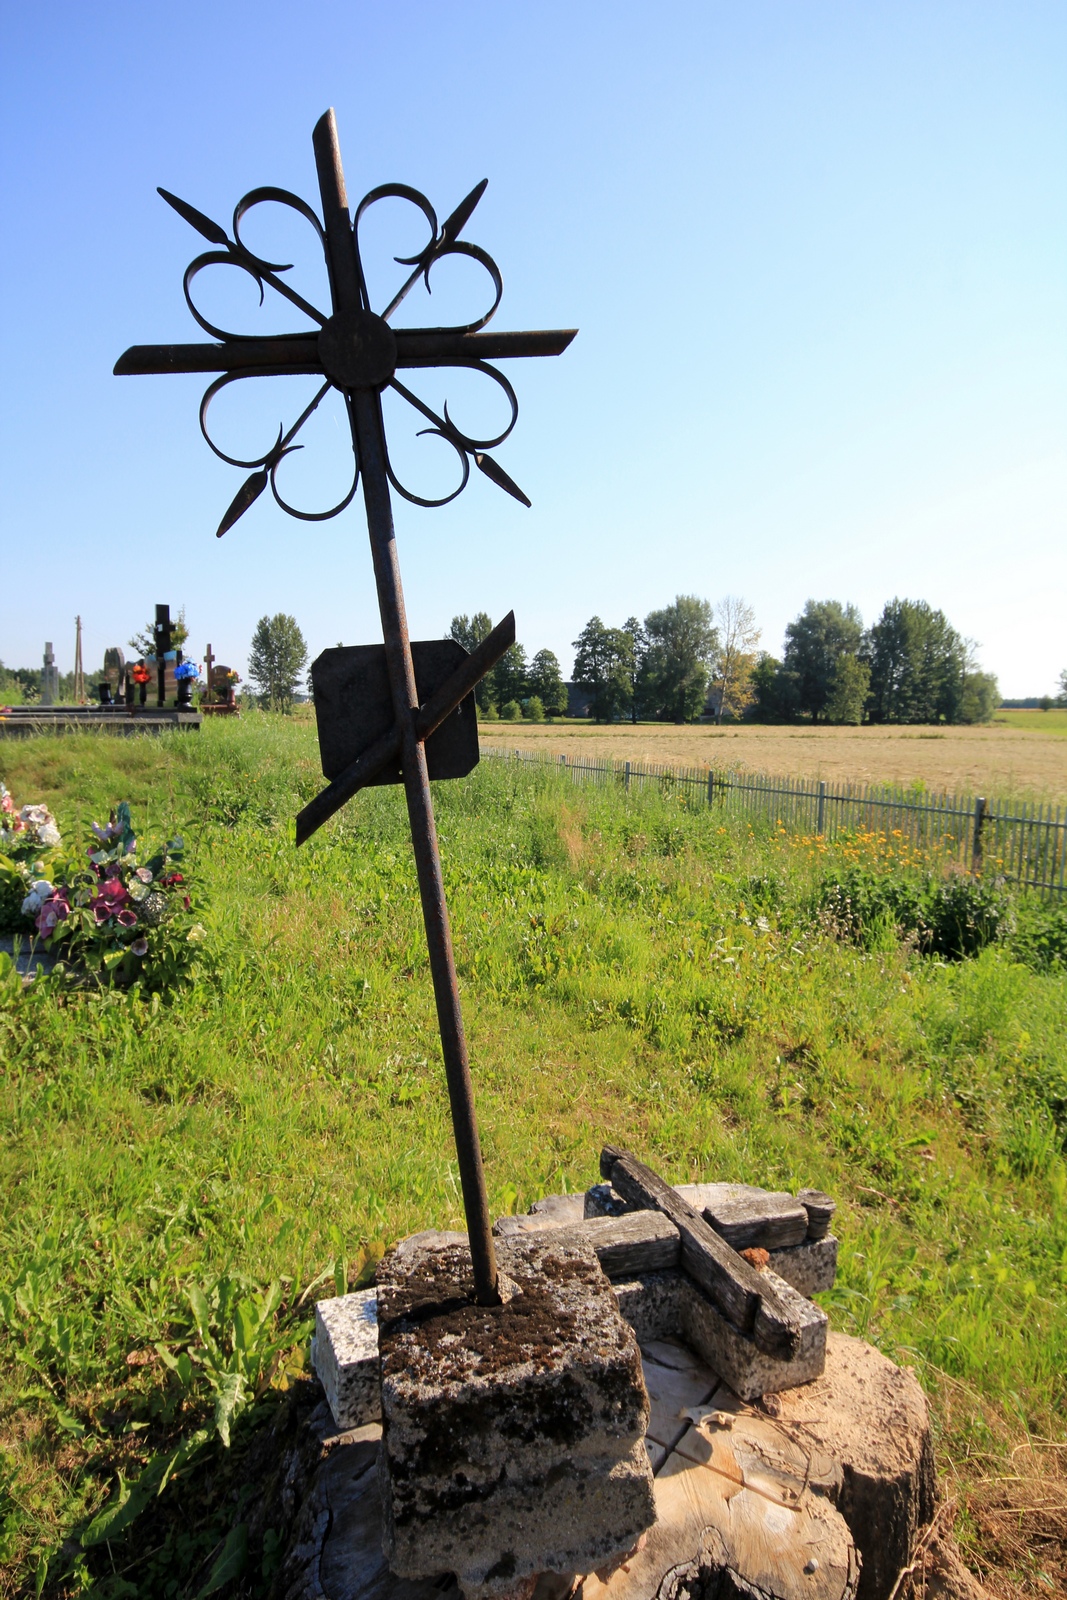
183,1177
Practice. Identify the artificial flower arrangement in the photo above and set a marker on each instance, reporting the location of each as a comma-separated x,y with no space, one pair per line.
31,828
113,914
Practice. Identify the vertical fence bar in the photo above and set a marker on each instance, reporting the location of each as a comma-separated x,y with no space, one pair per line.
976,838
822,810
711,787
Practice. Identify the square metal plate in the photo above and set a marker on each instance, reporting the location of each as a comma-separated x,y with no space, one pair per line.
354,706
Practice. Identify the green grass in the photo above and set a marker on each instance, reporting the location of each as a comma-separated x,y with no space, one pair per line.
1052,721
632,971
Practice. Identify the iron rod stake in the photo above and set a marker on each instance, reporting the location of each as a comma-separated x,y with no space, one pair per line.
366,413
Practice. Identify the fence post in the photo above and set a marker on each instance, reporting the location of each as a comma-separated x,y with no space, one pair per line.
627,775
820,828
711,787
976,842
563,761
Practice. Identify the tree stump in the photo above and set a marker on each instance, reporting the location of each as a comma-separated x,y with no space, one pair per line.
870,1416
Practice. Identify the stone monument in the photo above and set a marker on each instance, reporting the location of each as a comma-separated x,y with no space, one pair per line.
49,677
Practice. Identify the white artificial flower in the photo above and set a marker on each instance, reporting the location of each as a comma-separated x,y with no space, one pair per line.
40,890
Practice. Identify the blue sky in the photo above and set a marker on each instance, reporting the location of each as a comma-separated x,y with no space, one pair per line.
815,252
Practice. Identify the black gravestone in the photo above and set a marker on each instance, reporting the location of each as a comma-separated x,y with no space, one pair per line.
354,707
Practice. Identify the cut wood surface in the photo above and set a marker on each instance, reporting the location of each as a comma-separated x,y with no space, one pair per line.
643,1241
744,1216
731,1284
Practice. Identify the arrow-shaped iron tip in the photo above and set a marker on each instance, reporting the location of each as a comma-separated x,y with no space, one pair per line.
453,225
247,495
196,219
496,474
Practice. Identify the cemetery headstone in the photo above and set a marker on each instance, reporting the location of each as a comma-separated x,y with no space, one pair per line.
166,658
49,677
115,671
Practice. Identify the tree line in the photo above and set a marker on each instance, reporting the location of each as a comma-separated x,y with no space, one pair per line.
515,687
690,659
909,666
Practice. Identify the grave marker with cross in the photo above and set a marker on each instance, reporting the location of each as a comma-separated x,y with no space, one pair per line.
356,351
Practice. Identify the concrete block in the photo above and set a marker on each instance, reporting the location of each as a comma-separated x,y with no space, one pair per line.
513,1436
344,1354
749,1371
810,1267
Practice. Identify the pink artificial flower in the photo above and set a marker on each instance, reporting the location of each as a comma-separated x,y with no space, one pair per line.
55,909
143,873
126,918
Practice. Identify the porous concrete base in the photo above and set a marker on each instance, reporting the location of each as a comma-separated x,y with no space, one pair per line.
513,1436
668,1305
810,1267
344,1354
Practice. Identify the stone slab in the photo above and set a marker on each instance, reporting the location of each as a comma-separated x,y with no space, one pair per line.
749,1371
344,1354
513,1439
745,1216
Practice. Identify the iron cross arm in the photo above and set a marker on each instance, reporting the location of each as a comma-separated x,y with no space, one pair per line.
298,353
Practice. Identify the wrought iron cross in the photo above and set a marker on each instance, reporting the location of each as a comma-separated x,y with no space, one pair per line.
357,352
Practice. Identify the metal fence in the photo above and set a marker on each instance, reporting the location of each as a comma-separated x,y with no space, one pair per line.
1026,843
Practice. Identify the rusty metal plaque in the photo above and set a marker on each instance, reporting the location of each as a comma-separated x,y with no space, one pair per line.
354,707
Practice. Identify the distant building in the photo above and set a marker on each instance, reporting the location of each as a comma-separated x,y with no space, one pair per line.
579,700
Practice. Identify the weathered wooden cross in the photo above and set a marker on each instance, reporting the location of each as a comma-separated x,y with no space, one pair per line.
356,351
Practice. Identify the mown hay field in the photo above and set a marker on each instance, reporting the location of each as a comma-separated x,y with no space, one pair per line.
1021,754
633,969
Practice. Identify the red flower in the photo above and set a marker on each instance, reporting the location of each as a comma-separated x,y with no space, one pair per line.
109,901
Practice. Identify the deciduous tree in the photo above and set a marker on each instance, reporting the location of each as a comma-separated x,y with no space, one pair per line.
277,660
981,696
918,664
849,684
737,656
824,631
509,676
469,632
545,682
681,645
601,662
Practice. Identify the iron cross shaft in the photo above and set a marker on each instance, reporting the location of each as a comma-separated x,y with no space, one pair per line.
357,352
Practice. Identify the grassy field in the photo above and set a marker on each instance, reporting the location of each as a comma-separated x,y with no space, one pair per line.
632,971
1022,754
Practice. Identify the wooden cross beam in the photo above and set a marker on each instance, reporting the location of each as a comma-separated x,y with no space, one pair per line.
356,351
